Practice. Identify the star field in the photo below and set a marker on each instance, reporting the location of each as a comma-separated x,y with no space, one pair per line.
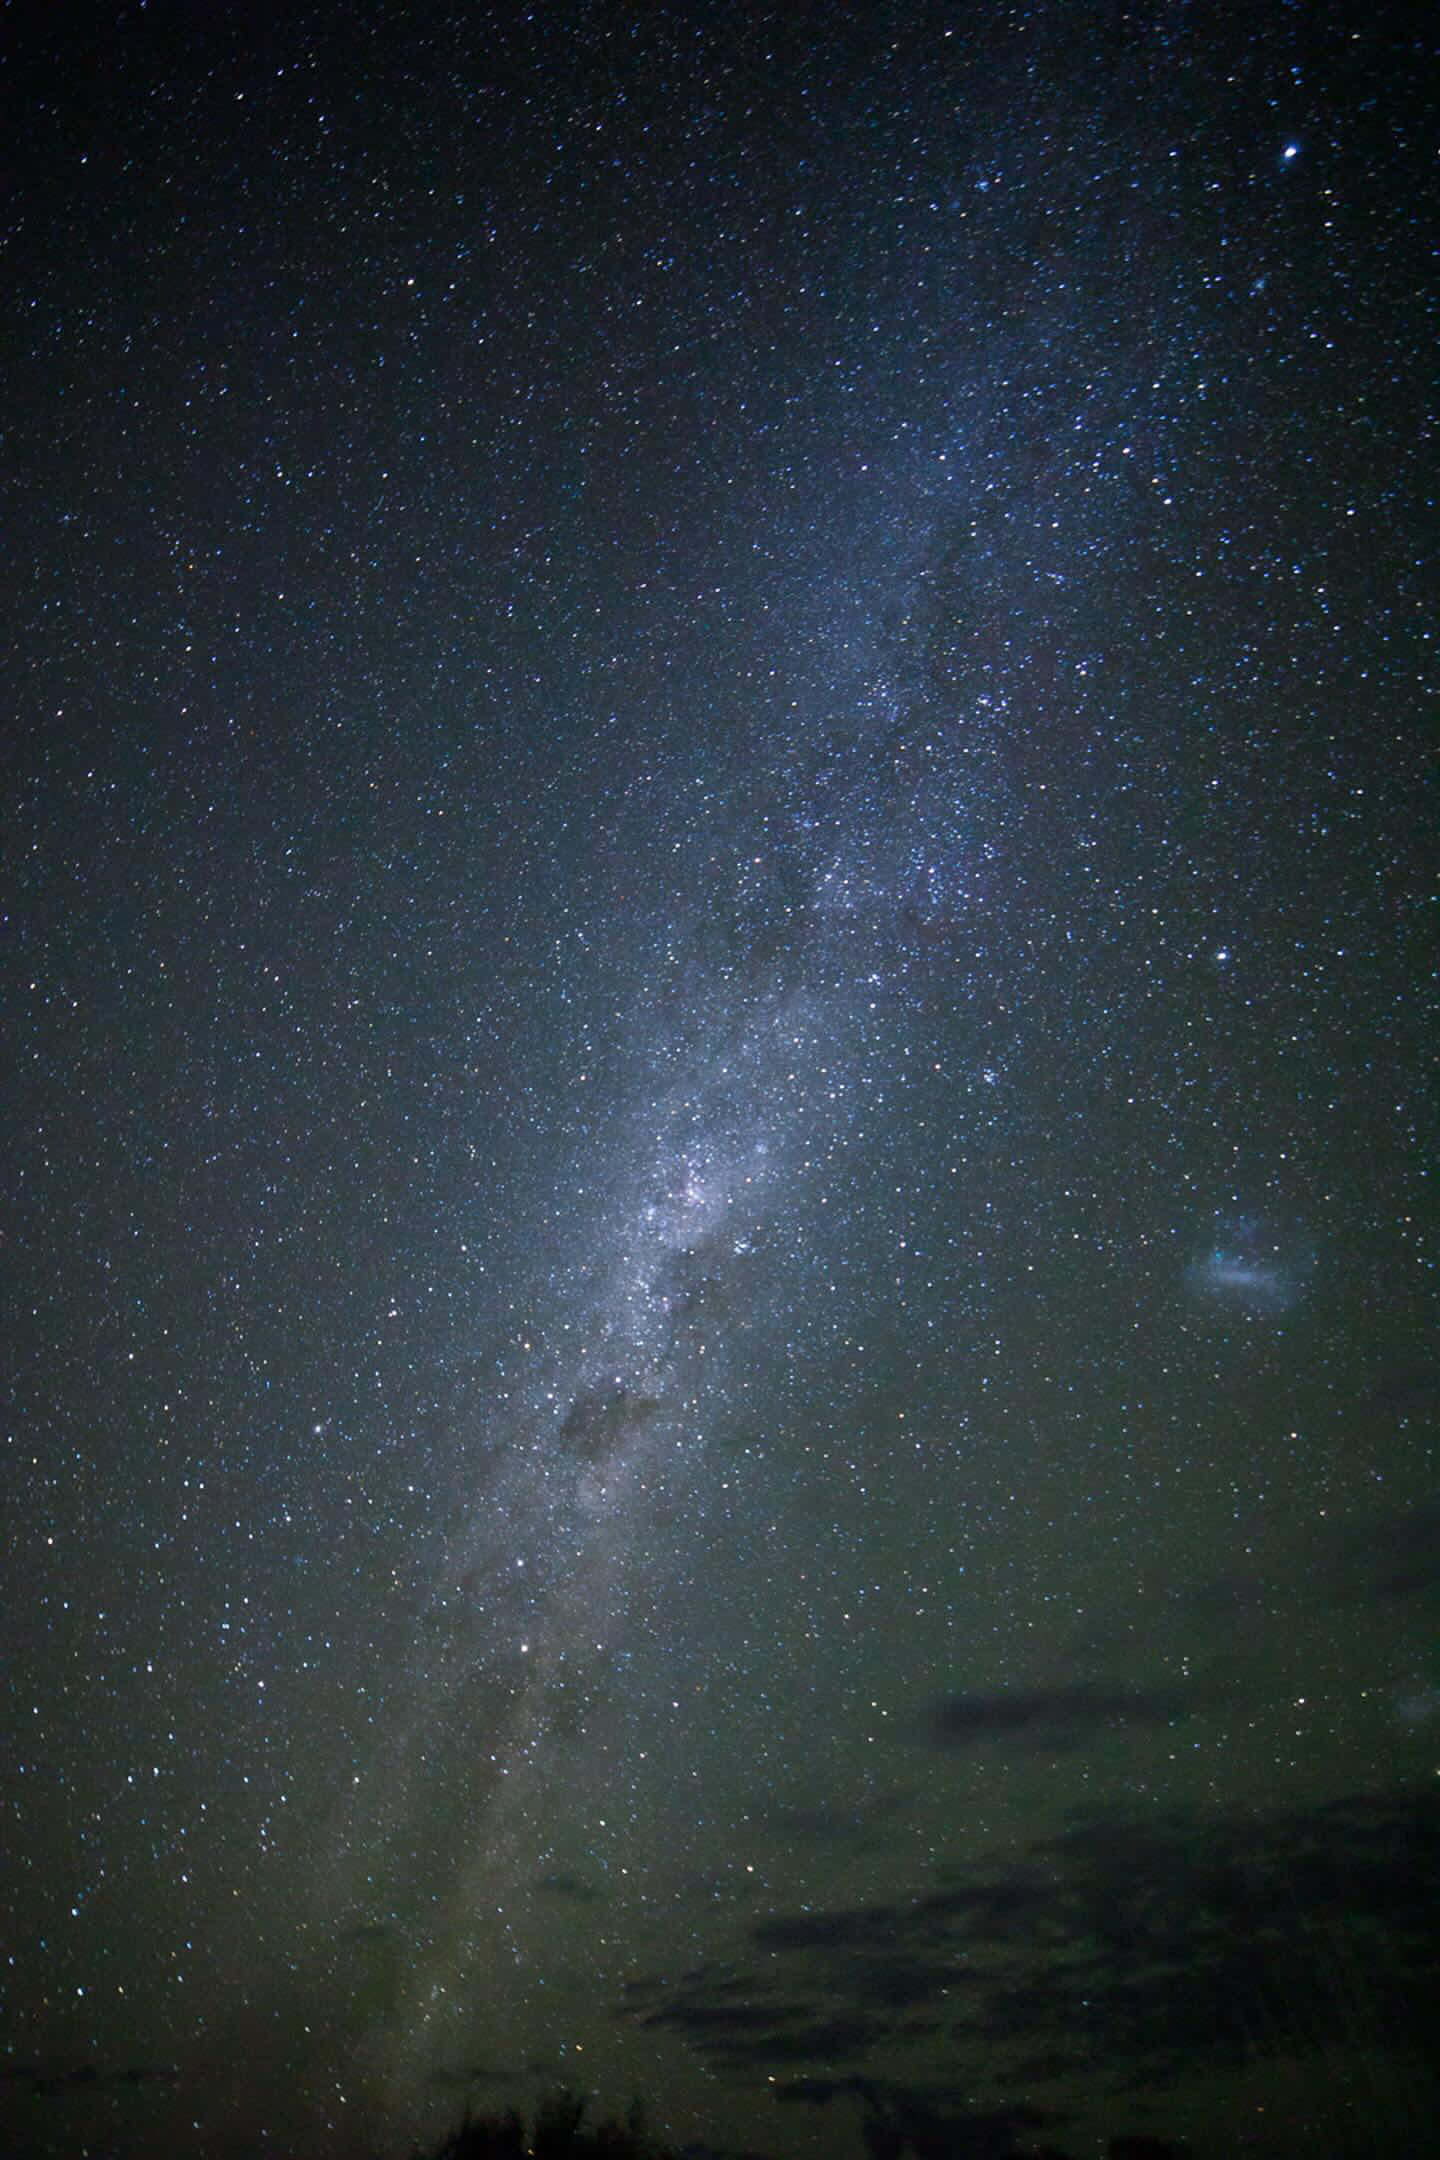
721,1297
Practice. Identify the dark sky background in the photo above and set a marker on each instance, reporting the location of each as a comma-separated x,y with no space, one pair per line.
720,1309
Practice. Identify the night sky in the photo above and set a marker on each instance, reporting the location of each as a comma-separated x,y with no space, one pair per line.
720,1309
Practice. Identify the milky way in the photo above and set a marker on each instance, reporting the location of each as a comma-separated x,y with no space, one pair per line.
689,1255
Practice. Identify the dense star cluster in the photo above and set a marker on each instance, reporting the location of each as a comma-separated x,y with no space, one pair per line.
720,1310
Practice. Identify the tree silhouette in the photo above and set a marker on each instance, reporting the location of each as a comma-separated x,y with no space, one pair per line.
560,2132
893,2124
